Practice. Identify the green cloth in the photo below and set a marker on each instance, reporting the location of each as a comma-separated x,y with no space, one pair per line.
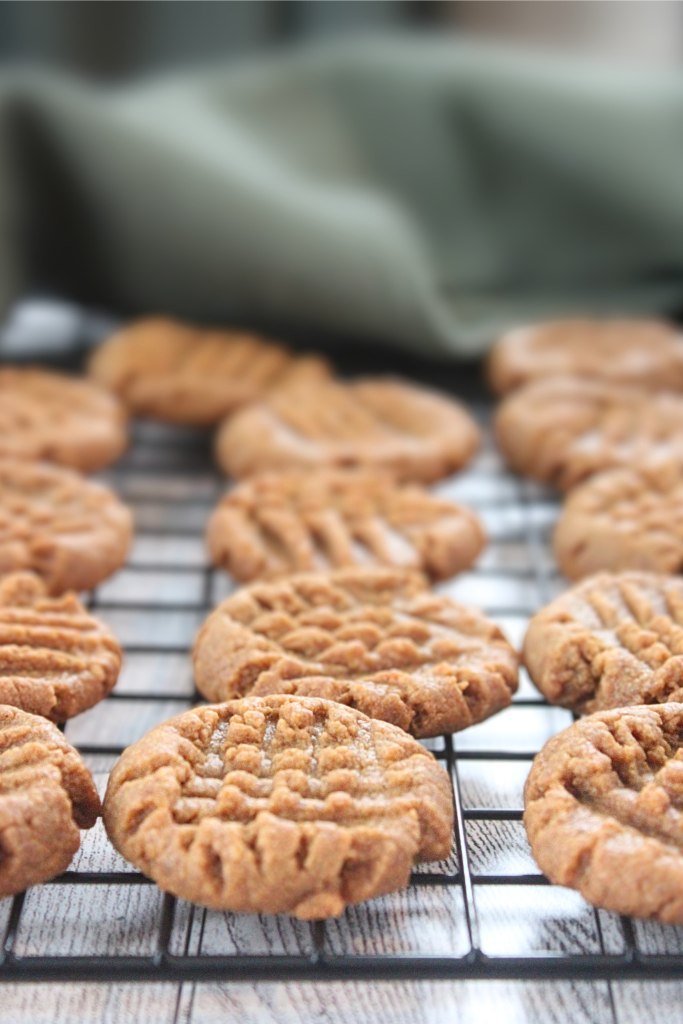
420,192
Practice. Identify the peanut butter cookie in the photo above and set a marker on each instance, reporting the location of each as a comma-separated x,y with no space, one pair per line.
187,374
603,810
623,519
278,805
55,659
61,419
374,639
644,353
278,523
70,531
561,430
610,641
382,423
46,795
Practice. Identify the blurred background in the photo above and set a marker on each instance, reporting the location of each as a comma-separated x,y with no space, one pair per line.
498,213
114,40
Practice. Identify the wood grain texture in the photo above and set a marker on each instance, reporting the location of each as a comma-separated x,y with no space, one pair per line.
652,937
527,919
168,675
91,1003
163,629
74,920
499,848
213,932
422,920
115,722
514,729
401,1003
493,784
637,1002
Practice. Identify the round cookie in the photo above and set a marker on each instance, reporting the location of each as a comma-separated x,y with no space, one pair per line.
188,375
278,805
612,640
603,810
72,532
374,639
279,523
55,659
46,795
376,423
622,519
45,415
644,353
561,430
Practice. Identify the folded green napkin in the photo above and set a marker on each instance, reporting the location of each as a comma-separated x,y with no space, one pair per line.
422,192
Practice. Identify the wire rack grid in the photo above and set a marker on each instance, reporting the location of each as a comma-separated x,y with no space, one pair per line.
486,913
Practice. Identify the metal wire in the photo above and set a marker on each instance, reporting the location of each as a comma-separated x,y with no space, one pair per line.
164,457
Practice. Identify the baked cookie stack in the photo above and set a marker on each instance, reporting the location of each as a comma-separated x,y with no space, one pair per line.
303,788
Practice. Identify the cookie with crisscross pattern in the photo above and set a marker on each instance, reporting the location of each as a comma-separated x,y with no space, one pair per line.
278,805
279,523
612,640
373,639
645,353
561,430
604,810
45,415
622,519
72,532
376,423
46,795
55,659
192,375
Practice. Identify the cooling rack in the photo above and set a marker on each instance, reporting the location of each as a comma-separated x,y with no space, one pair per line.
486,913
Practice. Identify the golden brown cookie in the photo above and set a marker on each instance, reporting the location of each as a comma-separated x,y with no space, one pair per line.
72,532
55,659
46,795
278,805
279,523
561,430
644,353
188,374
612,640
603,810
623,519
45,415
375,423
374,639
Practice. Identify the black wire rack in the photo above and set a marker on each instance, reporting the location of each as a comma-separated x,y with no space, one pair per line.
486,913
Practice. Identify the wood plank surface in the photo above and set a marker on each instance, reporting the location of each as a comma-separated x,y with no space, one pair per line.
638,1002
93,1003
422,920
535,918
401,1003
